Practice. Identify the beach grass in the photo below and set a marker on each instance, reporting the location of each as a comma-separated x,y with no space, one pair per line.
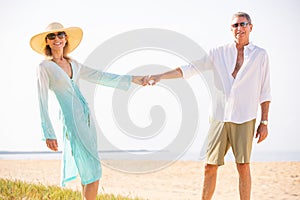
20,190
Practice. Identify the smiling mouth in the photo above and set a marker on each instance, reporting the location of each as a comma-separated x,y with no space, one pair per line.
57,43
240,33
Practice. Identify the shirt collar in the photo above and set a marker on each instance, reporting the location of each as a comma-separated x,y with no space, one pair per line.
250,46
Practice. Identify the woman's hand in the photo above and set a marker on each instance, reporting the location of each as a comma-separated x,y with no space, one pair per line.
140,80
52,144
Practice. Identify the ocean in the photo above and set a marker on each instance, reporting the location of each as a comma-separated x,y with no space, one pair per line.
161,155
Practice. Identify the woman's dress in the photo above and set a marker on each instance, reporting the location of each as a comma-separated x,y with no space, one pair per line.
80,152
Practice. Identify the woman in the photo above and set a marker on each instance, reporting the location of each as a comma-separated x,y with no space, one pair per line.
60,74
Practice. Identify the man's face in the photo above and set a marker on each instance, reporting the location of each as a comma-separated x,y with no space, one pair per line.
241,28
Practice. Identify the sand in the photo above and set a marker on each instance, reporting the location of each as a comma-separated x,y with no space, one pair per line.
179,181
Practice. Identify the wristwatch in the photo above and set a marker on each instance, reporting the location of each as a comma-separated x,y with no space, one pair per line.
264,122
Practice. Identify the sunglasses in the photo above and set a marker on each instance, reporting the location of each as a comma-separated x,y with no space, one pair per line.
52,36
242,24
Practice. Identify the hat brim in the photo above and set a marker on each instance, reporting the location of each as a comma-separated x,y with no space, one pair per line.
74,34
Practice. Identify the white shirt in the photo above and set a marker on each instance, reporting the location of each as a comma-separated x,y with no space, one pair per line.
234,100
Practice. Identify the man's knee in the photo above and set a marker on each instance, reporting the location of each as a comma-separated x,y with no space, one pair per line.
243,168
210,169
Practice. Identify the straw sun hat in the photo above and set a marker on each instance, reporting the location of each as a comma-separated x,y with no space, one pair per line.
38,42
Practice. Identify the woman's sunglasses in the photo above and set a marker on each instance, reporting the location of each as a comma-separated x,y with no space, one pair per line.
52,36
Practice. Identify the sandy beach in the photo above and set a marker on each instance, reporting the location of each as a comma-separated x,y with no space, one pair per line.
179,181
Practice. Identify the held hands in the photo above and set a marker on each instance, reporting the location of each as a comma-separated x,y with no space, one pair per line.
153,79
146,80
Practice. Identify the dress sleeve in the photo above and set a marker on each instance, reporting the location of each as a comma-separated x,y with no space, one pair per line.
108,79
43,87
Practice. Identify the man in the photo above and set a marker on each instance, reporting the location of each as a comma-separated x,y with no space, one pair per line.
244,72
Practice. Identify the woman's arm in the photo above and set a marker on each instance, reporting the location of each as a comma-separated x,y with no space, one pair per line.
108,79
43,87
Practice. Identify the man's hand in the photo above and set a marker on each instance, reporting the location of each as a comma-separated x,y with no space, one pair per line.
261,133
52,144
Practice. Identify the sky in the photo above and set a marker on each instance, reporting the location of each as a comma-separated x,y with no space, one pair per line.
205,22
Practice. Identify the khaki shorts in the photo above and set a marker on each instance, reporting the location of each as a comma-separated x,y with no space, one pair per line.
223,135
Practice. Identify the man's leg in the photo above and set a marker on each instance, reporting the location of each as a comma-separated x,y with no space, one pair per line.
210,178
216,149
241,138
244,181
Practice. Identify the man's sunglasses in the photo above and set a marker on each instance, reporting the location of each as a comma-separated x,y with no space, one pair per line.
52,36
242,24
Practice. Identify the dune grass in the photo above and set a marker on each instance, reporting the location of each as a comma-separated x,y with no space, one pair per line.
20,190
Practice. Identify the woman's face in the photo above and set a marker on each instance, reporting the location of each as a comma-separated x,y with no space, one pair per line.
56,41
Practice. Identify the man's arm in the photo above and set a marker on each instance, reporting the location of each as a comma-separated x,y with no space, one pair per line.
175,73
262,130
265,110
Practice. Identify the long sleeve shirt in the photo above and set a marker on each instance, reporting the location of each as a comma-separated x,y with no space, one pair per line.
234,99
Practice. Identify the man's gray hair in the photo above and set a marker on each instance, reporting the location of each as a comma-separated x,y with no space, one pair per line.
242,14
